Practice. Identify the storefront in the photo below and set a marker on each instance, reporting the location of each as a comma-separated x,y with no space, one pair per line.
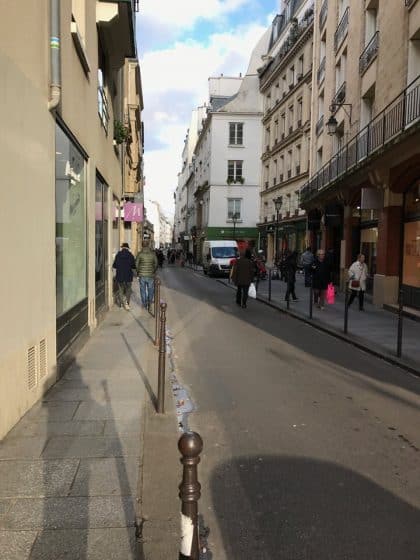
101,243
411,248
243,235
71,240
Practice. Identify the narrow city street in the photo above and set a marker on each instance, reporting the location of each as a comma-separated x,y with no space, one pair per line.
311,446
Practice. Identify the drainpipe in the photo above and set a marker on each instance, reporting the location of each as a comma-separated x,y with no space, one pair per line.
55,66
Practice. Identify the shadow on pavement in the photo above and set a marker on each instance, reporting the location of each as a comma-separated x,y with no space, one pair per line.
298,509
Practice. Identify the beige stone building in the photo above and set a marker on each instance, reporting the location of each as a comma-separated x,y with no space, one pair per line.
285,82
364,190
70,148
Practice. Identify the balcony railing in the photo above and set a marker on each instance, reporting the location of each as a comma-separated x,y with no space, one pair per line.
103,110
340,95
409,3
341,30
369,54
319,125
399,116
320,75
323,14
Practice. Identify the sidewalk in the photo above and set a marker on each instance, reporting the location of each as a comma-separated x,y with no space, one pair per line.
375,329
72,470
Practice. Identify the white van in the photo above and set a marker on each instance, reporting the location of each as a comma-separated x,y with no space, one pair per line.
217,256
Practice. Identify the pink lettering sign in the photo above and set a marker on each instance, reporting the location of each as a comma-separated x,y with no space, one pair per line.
133,212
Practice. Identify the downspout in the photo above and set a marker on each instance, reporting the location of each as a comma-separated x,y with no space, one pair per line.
55,66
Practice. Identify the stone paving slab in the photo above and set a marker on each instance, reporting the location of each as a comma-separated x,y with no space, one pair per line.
22,448
52,412
4,506
119,427
16,545
94,544
107,477
26,428
69,512
37,478
91,446
126,410
98,394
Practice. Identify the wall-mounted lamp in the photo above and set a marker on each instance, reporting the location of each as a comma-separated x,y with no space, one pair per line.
332,121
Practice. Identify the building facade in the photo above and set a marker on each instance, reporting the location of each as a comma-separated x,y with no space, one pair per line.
285,83
363,194
64,156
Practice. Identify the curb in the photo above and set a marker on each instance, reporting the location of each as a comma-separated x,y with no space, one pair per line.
341,336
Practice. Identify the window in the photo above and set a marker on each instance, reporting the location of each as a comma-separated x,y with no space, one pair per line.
282,124
370,24
276,131
321,105
234,207
267,138
234,170
299,111
300,67
319,159
236,134
71,224
291,118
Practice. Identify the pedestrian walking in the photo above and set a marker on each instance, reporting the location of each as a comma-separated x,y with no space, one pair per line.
243,273
358,273
307,262
124,264
146,265
320,278
290,266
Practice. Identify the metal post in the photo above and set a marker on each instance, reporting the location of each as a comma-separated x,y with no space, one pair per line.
162,360
269,284
346,309
400,323
190,446
311,297
157,303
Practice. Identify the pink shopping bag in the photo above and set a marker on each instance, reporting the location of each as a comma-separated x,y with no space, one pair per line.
330,294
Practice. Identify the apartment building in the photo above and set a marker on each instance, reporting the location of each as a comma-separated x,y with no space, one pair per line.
285,83
363,194
70,140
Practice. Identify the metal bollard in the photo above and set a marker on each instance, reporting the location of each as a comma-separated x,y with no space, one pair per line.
400,323
157,303
269,284
346,309
190,446
311,298
162,360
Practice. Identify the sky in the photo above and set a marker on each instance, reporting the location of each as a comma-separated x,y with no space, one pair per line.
180,45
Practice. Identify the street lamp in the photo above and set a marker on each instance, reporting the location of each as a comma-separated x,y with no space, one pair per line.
277,205
235,218
332,121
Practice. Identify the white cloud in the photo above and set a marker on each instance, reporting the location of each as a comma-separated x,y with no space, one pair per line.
175,81
186,13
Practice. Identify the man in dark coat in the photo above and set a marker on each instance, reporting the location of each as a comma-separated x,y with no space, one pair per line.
243,274
290,271
321,277
124,263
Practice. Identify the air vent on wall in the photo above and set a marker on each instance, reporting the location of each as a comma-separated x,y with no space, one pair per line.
31,367
42,358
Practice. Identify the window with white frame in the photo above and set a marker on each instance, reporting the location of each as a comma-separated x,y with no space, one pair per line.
234,169
234,208
236,133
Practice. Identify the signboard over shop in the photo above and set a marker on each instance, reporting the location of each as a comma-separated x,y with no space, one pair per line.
133,212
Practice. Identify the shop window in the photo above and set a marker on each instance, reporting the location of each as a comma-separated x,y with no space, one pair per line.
71,237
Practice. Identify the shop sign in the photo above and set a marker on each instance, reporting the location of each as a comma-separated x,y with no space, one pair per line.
133,212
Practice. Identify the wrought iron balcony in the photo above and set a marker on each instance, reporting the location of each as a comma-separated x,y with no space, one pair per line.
320,75
401,115
323,14
340,95
319,125
342,29
369,54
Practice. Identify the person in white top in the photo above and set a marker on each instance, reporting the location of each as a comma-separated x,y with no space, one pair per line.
358,273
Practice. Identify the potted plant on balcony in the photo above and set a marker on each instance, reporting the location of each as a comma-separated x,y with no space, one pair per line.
240,180
121,132
229,180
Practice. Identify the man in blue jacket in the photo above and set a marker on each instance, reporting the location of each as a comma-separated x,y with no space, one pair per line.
124,263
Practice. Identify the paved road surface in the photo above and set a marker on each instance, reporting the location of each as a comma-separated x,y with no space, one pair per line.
312,447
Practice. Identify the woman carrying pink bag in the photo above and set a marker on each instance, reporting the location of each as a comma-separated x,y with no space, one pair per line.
330,294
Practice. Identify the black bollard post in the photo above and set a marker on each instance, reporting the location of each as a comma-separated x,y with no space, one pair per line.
190,445
311,298
162,360
157,304
346,309
400,323
269,284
